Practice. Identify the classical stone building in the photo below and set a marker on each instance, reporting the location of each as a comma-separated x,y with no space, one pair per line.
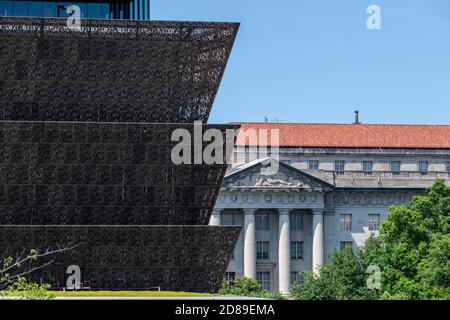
332,187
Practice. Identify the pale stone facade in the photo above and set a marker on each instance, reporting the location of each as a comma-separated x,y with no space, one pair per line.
295,217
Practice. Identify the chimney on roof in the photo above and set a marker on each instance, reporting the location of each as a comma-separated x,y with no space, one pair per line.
357,117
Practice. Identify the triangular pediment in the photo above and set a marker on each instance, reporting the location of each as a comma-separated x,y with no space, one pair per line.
269,173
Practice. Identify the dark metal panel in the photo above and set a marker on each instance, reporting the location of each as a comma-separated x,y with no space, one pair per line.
94,152
177,258
102,173
111,70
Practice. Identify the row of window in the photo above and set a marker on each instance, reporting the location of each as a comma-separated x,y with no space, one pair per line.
263,250
263,277
100,9
394,166
297,249
296,221
346,222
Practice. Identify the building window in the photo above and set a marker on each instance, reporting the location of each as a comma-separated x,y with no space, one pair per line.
339,167
6,8
227,219
447,167
296,277
346,222
264,279
262,222
345,244
423,167
296,221
20,8
395,167
374,222
100,9
367,167
313,165
229,277
262,250
297,250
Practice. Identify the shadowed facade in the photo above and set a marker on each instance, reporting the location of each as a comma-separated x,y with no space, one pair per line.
85,150
175,258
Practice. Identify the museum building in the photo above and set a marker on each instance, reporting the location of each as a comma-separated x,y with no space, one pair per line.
332,187
87,112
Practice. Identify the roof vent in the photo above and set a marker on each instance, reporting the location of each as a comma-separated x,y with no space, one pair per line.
357,117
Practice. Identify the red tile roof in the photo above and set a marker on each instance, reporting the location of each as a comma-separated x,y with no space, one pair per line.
352,135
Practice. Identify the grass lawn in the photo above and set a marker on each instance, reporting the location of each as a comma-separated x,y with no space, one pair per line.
128,294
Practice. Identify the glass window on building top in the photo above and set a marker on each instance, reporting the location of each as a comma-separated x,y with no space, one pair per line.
6,8
99,9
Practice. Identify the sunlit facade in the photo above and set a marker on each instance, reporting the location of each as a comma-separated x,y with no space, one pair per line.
330,187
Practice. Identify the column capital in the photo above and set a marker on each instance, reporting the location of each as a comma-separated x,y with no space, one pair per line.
318,211
284,211
249,210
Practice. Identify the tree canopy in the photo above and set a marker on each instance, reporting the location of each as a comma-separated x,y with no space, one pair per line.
412,252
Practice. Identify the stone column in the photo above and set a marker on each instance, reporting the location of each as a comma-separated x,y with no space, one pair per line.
249,244
284,252
215,218
317,246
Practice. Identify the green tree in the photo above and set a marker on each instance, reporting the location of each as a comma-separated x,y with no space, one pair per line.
22,289
412,252
344,277
13,272
248,288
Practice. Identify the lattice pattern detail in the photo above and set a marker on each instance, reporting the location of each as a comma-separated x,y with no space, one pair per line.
187,258
85,150
111,70
86,173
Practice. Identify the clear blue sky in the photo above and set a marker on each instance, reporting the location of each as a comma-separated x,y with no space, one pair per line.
315,60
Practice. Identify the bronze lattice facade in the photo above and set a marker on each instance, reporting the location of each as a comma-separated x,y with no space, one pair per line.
111,70
175,258
85,150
